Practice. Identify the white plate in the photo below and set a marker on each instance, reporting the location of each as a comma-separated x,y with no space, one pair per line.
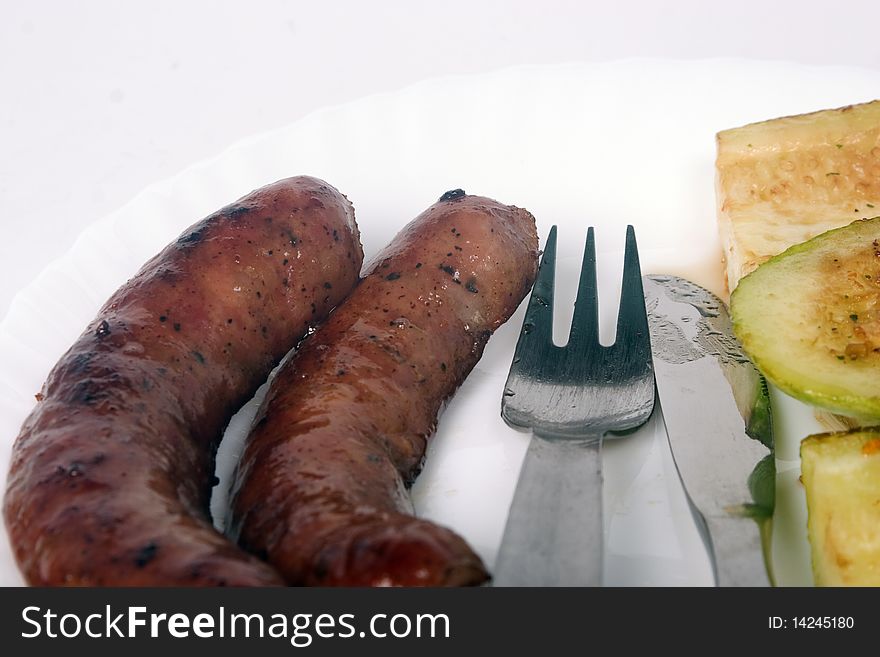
578,145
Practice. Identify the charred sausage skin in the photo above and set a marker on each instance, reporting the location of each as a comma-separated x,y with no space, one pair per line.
322,485
111,474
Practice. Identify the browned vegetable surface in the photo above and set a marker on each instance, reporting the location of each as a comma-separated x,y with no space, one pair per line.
322,486
112,472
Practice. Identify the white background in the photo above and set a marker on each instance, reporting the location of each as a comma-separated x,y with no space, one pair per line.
100,98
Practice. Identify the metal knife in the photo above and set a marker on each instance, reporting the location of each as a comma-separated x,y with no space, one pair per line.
717,413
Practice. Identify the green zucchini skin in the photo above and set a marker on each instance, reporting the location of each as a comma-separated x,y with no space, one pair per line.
809,319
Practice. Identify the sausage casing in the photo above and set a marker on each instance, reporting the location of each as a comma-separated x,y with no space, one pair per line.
112,472
322,485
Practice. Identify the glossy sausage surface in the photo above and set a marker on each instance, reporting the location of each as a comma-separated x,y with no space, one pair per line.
112,472
322,486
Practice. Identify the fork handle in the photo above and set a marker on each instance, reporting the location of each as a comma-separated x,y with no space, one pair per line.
553,535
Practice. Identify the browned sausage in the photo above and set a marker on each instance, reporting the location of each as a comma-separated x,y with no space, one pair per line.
112,472
322,486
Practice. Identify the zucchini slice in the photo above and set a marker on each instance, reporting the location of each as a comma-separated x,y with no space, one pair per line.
784,181
841,474
809,319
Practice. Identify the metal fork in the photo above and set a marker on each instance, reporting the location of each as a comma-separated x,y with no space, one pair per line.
570,397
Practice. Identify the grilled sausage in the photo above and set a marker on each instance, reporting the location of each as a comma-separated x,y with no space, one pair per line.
322,485
111,475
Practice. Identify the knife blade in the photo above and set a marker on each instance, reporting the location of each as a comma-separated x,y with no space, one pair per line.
717,413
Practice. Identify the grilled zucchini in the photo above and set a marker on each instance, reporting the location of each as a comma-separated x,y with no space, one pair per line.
841,474
784,181
809,319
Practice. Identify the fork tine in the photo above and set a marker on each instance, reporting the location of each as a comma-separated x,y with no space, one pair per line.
632,318
537,326
585,322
